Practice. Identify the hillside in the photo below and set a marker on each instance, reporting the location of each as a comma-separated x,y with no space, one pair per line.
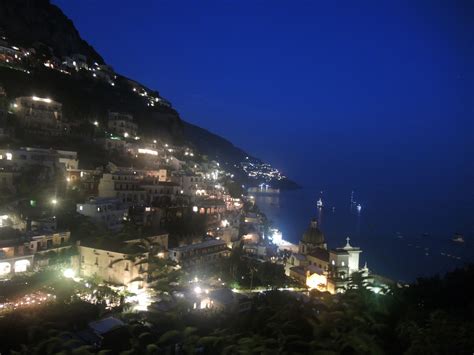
41,24
50,41
89,100
223,150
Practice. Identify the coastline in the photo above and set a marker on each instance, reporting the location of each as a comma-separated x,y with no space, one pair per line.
383,249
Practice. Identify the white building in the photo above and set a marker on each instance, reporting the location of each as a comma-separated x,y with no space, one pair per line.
107,211
319,267
113,143
15,257
50,158
123,185
190,184
122,124
68,159
199,253
161,191
342,262
119,264
20,253
39,113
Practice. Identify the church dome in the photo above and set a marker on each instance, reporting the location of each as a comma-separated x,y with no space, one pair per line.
313,234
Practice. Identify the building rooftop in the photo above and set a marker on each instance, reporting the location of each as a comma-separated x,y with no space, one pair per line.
299,270
313,234
210,202
313,269
339,251
113,245
321,254
205,244
149,182
106,325
100,201
298,256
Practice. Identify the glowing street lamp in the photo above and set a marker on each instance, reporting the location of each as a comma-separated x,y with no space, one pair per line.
69,273
197,290
54,201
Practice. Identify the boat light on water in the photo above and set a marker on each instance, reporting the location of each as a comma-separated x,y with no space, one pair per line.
319,204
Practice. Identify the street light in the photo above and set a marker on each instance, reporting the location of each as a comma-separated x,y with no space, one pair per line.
54,201
69,273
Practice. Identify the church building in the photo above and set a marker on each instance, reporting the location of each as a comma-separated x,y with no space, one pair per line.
312,239
319,267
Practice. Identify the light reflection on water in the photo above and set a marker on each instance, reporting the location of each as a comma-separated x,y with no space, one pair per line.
393,243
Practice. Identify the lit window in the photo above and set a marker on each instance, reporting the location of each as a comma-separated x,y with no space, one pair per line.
5,268
9,156
332,262
80,208
343,263
21,265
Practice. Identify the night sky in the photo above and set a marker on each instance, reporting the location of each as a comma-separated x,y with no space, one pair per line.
328,91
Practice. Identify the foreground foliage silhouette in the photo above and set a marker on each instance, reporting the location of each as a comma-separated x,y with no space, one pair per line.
432,316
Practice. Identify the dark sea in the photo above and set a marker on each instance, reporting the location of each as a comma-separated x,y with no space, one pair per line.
404,234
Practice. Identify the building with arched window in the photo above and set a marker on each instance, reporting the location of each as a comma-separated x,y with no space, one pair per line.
316,266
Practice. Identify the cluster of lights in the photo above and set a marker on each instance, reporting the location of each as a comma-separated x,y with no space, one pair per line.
276,236
213,175
258,170
34,299
200,192
17,55
151,99
8,156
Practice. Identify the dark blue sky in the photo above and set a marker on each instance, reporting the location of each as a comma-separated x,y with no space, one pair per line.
353,89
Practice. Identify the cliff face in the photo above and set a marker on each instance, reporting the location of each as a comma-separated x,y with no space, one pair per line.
87,100
213,145
33,23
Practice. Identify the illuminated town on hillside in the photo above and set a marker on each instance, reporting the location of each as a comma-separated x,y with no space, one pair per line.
126,230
